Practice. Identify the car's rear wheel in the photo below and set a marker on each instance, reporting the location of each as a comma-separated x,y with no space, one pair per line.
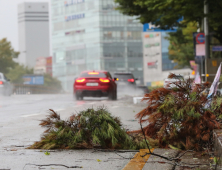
113,95
78,97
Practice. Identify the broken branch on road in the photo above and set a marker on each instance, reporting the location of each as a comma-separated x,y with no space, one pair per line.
54,165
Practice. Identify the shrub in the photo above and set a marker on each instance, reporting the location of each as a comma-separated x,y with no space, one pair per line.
177,117
88,129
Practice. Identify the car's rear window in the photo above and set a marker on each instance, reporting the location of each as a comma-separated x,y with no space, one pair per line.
93,74
123,76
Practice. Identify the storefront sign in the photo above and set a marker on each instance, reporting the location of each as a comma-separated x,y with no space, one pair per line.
152,45
152,54
73,2
40,61
48,61
74,17
151,35
217,48
152,64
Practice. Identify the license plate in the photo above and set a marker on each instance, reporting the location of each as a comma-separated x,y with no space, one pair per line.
92,84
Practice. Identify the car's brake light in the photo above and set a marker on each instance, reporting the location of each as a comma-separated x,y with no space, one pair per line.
1,82
104,80
93,73
131,80
80,80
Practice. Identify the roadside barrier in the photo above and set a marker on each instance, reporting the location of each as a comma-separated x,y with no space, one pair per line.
33,89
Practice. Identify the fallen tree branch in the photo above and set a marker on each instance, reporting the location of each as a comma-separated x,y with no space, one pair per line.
185,166
183,154
54,165
144,134
118,151
123,156
150,153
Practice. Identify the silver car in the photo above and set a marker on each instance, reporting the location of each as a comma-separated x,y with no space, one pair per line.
5,85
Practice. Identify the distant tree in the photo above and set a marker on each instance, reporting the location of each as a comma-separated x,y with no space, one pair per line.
16,74
7,54
181,48
166,13
52,82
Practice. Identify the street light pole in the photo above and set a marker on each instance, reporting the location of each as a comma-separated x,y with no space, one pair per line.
207,37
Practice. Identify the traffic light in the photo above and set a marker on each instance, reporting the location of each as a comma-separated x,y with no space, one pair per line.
207,75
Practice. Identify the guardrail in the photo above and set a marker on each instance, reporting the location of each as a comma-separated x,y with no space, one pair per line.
33,89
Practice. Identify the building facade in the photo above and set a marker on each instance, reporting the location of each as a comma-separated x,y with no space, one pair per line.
156,63
92,35
33,25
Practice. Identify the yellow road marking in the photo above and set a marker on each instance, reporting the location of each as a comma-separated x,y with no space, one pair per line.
138,162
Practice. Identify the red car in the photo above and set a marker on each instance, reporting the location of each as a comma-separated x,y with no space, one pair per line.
95,84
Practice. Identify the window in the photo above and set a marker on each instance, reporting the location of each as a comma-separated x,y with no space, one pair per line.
136,35
77,32
87,74
107,35
114,51
129,35
121,35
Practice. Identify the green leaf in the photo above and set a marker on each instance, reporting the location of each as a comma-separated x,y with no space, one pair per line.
172,147
47,153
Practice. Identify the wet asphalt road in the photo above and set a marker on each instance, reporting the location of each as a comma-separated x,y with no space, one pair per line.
19,119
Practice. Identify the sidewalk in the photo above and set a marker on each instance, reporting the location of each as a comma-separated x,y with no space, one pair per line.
188,160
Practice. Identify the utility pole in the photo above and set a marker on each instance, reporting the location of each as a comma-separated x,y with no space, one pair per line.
207,36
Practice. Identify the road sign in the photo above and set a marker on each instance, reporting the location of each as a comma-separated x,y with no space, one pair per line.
217,48
200,38
33,79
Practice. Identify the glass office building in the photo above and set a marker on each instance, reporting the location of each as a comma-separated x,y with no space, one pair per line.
92,35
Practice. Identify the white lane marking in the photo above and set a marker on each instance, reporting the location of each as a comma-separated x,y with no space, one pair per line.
30,115
105,101
114,107
92,103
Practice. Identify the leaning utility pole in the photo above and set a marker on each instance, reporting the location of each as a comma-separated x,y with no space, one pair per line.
207,37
